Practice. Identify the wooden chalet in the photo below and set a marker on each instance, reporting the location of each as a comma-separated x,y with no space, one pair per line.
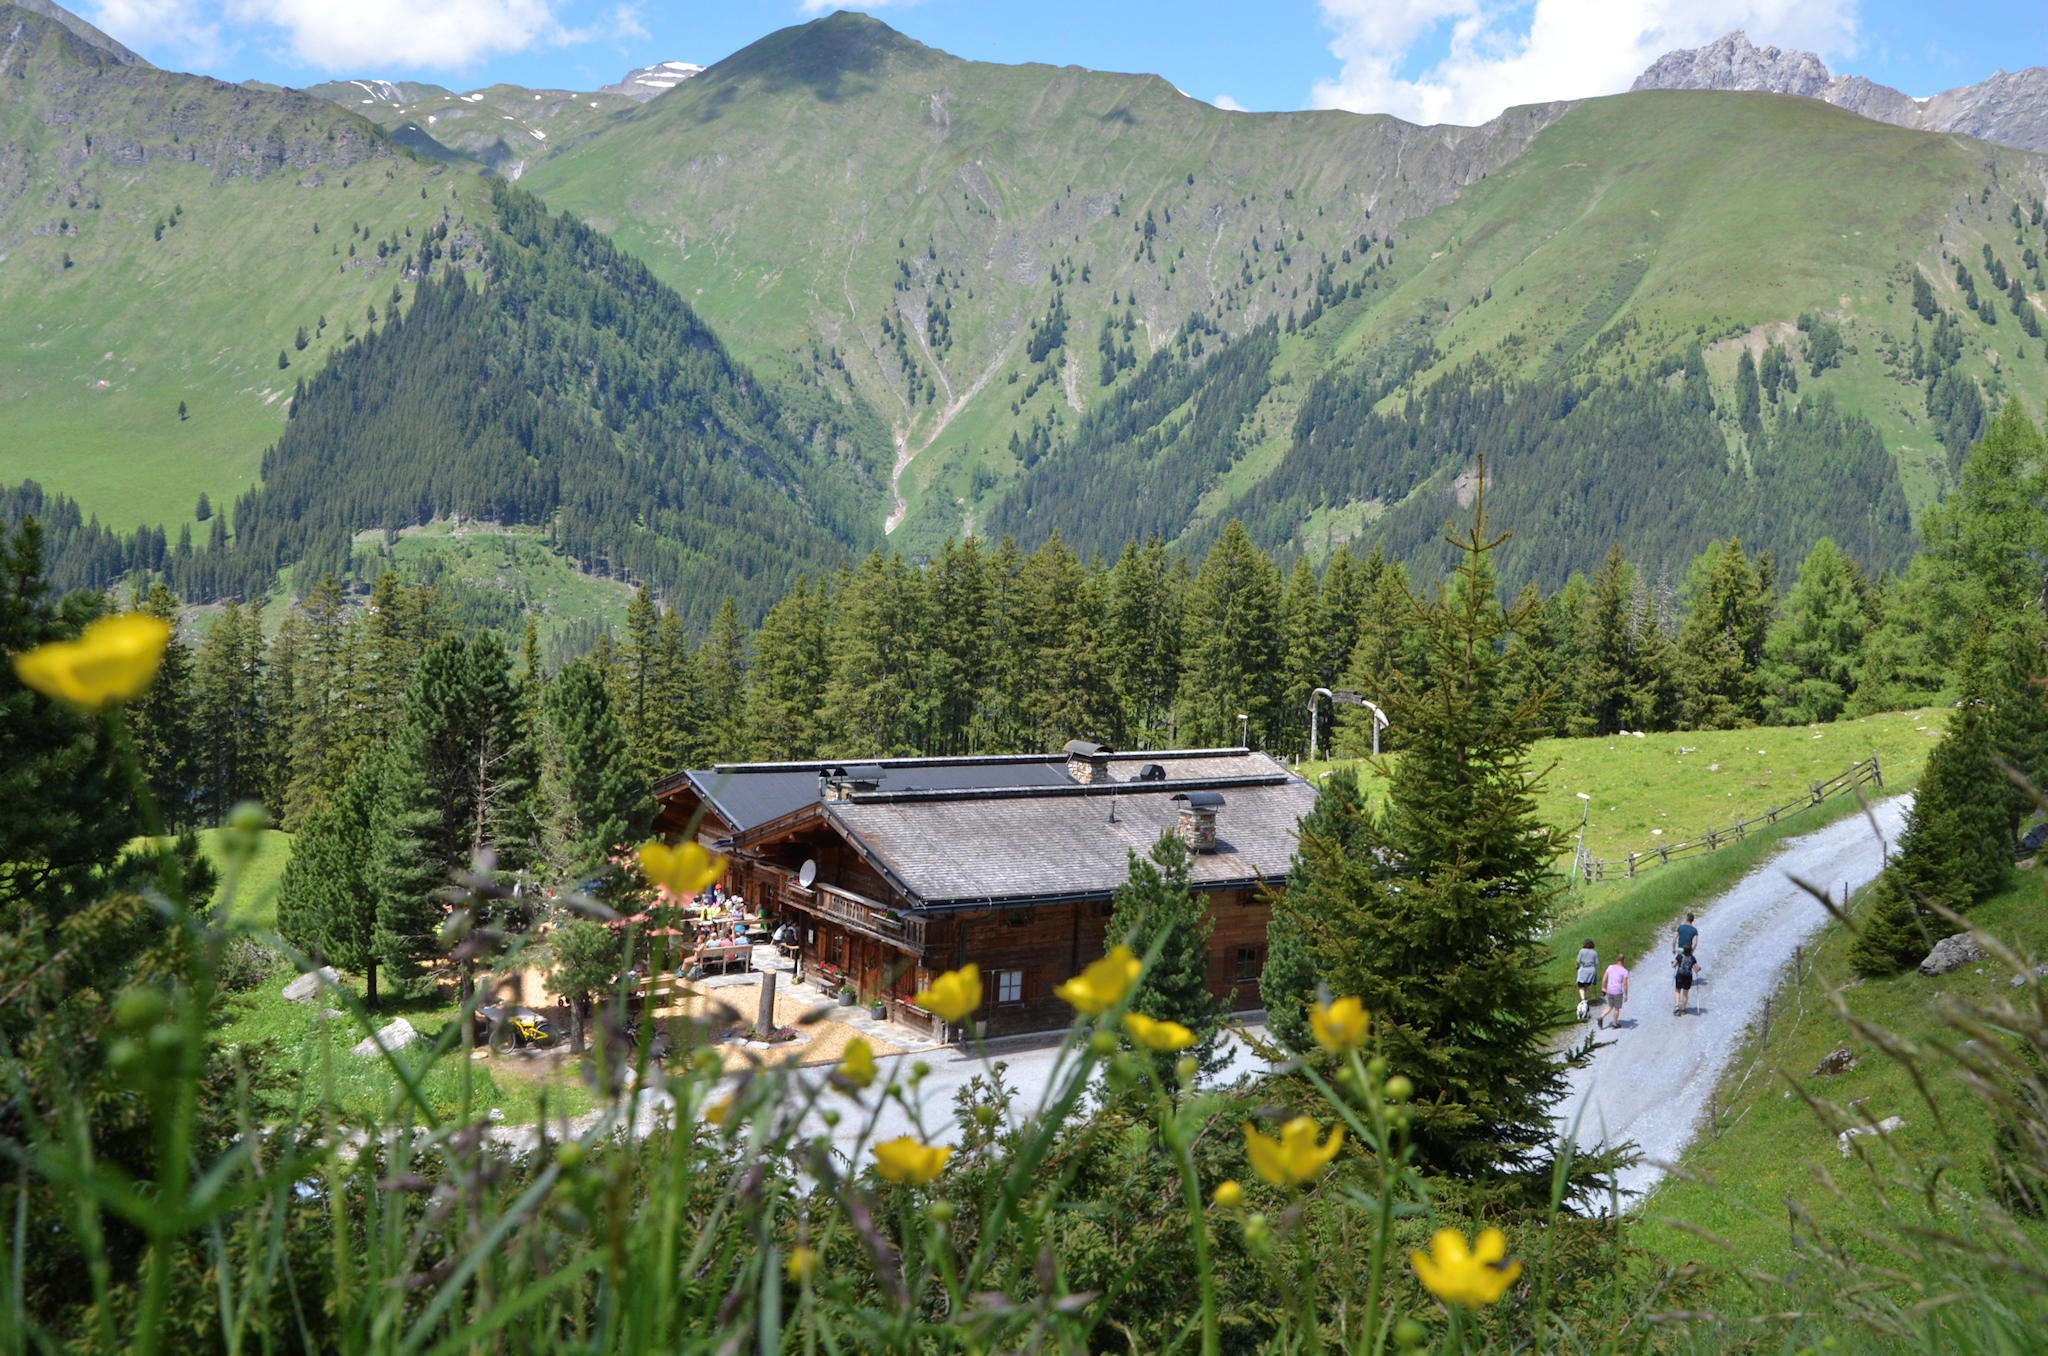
918,866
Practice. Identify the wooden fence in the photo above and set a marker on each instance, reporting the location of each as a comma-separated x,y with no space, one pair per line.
1589,868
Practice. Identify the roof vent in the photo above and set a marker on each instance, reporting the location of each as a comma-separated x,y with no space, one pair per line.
1197,827
1152,772
1088,763
841,783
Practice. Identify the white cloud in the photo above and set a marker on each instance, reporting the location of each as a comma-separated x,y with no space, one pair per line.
187,30
1501,53
1224,101
387,35
626,23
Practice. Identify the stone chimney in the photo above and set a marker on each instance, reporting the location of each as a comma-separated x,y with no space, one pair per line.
1197,827
1088,763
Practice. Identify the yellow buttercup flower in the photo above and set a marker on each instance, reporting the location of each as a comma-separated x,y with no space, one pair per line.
1457,1274
954,994
1104,984
857,1064
1229,1195
1295,1158
1164,1037
1339,1026
112,660
903,1159
801,1265
683,869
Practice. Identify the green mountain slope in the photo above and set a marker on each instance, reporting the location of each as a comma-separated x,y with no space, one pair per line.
1007,261
506,127
949,237
158,245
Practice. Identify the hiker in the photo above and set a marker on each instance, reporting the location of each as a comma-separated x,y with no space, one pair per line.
1616,984
1688,938
1589,970
1683,967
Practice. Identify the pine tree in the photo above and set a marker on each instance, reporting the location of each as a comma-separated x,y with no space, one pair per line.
161,720
1142,649
959,655
1057,629
1810,651
228,711
68,799
598,802
876,700
1955,850
1329,852
1722,639
327,901
1304,635
722,673
319,702
1442,936
585,957
1899,663
1232,628
1155,907
791,672
1388,651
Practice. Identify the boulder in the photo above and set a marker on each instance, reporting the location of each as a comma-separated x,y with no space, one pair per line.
396,1036
1836,1062
2040,972
1883,1127
306,986
1951,953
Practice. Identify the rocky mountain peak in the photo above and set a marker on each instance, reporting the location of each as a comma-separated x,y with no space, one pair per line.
1731,62
81,29
648,81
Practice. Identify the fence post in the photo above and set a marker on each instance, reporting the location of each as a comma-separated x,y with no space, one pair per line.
1876,772
1764,1039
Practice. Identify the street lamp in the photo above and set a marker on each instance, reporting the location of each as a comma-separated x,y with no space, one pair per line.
1579,856
1243,720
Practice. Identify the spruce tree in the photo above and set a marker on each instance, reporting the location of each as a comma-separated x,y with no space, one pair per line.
1956,848
319,699
1439,925
1388,651
722,674
876,700
1304,631
1154,906
1057,629
959,655
326,901
1722,639
1810,651
1329,854
597,801
1142,647
1901,663
1232,628
228,711
160,720
791,672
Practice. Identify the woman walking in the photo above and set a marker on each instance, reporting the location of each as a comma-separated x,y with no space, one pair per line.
1589,970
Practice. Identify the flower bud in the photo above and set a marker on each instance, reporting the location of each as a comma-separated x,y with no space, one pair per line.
984,1115
1409,1333
1377,1066
1255,1229
801,1265
1399,1089
1103,1043
920,1071
830,1117
1229,1195
940,1212
570,1156
1185,1068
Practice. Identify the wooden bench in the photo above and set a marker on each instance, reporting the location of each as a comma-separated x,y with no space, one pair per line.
722,959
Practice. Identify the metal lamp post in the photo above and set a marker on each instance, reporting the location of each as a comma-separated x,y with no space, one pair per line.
1243,740
1579,855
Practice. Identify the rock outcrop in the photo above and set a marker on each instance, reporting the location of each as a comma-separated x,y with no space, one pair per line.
396,1036
312,984
1951,953
2010,108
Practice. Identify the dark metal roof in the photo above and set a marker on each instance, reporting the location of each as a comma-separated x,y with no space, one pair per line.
1201,800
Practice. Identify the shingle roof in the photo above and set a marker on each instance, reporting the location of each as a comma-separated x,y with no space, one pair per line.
750,794
962,849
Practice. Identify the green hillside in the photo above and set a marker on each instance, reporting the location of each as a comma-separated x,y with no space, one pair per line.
162,248
506,127
996,255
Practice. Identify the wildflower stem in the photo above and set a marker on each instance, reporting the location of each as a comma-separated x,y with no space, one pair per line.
1191,1188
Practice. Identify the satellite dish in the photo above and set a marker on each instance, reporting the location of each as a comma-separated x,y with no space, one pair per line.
807,874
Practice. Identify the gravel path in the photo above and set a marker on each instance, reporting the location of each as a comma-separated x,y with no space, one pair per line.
1651,1080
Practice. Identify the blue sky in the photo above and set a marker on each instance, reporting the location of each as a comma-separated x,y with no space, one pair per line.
1428,60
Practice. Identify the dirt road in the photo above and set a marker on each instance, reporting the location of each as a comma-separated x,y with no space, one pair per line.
1652,1080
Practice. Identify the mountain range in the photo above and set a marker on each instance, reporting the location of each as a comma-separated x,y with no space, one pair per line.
2009,108
958,296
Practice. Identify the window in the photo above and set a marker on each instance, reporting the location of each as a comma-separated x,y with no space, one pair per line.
1018,918
1247,962
1009,986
